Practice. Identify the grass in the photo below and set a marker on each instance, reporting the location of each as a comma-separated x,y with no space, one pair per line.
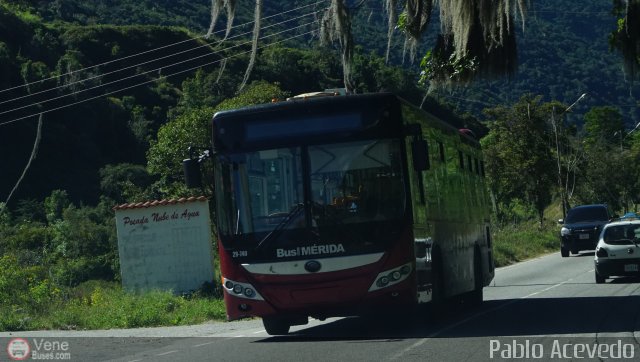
105,305
512,244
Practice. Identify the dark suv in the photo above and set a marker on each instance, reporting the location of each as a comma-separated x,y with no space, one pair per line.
581,229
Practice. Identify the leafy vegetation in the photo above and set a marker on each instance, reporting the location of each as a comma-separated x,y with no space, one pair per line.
103,305
518,157
515,243
59,269
58,251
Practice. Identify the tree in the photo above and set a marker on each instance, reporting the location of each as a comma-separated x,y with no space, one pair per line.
205,89
604,125
297,70
518,159
479,32
634,181
626,37
609,170
55,204
123,182
191,129
32,75
477,37
603,175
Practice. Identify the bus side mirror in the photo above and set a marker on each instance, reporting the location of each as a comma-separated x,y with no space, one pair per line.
420,154
192,174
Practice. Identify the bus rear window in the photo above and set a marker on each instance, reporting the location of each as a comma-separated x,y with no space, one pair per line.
296,127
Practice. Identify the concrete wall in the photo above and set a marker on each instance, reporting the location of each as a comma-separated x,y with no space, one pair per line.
165,246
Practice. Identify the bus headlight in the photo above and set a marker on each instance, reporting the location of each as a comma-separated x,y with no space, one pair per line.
396,275
382,282
391,277
240,290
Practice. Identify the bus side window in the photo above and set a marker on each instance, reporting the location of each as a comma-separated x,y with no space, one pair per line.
420,150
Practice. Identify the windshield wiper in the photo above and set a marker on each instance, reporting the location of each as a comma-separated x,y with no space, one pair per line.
286,219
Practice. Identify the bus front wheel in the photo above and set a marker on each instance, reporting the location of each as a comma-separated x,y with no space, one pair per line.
276,325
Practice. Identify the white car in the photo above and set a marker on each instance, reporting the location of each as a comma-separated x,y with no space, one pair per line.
618,250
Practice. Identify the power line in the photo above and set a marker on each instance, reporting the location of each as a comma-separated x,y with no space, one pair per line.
136,65
161,77
139,74
148,51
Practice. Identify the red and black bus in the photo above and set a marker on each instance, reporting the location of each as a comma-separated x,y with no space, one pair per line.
336,205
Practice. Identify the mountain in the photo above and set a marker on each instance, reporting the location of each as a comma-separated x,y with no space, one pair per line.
563,47
105,90
563,53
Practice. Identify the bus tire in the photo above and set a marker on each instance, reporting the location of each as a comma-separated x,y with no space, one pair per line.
437,304
476,296
276,326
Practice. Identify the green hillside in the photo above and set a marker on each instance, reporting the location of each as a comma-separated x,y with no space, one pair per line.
110,88
563,53
563,49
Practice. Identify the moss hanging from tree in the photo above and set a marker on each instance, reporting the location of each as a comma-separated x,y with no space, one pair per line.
390,7
626,38
476,36
216,7
254,43
336,25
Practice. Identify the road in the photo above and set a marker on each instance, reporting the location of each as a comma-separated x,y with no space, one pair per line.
547,308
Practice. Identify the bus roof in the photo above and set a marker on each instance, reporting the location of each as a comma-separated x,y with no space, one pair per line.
316,102
332,103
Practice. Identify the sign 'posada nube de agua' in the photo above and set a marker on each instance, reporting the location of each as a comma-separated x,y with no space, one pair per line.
165,244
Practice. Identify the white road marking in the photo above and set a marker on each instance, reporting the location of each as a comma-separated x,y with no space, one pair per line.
204,344
546,289
166,353
424,340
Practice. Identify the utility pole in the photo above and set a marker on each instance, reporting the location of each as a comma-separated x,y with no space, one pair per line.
555,132
563,196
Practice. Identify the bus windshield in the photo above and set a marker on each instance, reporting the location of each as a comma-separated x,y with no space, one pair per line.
349,193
